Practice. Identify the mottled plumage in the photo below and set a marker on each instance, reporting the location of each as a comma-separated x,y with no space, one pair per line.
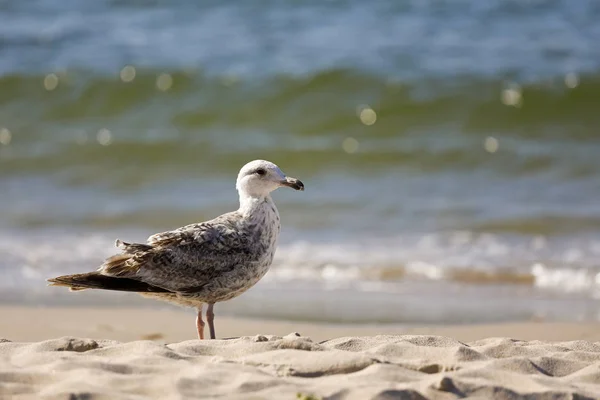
206,262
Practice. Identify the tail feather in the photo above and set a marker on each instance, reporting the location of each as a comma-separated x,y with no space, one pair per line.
119,266
124,264
132,248
95,280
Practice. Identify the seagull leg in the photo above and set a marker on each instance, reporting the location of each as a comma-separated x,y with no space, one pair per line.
210,317
200,323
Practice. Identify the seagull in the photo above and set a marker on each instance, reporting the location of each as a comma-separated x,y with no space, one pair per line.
201,263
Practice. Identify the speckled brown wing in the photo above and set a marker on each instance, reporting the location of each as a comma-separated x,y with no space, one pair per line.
185,259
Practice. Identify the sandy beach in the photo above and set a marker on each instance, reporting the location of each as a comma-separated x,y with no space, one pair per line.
96,353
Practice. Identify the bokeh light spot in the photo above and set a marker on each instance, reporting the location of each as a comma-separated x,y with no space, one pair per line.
350,145
367,115
127,73
164,82
50,82
491,144
571,80
104,137
512,96
5,136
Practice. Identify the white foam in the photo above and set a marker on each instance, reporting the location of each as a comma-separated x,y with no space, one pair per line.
26,259
570,280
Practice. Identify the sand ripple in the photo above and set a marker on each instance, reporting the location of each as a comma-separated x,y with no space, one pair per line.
295,367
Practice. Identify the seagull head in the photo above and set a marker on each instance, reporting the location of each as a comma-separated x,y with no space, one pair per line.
258,178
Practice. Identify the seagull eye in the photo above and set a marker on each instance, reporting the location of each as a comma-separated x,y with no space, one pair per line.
261,171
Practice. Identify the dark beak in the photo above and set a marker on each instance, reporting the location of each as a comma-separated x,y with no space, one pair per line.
293,183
